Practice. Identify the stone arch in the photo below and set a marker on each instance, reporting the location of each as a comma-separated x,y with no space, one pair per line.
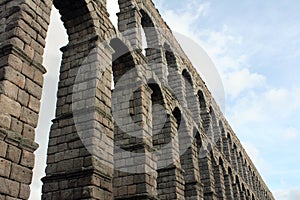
202,102
171,65
190,97
228,181
214,131
251,178
222,137
236,188
160,118
246,171
177,114
187,76
188,157
248,196
219,176
234,159
170,56
149,30
82,79
204,113
198,141
165,145
122,61
240,164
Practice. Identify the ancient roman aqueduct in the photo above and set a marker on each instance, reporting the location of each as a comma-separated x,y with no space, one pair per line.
158,134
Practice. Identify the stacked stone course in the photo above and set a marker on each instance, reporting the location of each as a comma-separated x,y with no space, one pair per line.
103,145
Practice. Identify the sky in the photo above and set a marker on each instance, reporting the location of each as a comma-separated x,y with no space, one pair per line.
256,49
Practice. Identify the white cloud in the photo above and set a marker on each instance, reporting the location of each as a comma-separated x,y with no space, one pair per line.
184,19
266,106
232,66
287,194
238,81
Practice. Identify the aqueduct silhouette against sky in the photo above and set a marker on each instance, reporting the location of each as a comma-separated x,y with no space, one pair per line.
159,134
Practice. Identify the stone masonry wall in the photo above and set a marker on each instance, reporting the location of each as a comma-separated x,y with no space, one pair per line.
129,124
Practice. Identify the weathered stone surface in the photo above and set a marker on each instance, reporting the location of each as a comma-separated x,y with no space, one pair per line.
4,168
24,191
20,174
13,153
3,148
5,120
9,106
157,133
28,116
27,159
9,187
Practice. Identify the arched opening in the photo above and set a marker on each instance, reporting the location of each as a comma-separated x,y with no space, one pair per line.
228,179
188,80
204,115
122,62
170,56
161,129
191,100
237,187
248,194
177,115
228,147
213,132
171,65
218,170
240,164
202,102
234,158
220,141
149,31
198,143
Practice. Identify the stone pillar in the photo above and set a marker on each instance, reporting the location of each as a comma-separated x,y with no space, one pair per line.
193,186
157,63
206,122
192,103
228,187
234,161
236,191
226,149
135,175
170,181
129,24
240,166
207,178
23,27
243,195
245,171
219,182
80,149
190,162
175,81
